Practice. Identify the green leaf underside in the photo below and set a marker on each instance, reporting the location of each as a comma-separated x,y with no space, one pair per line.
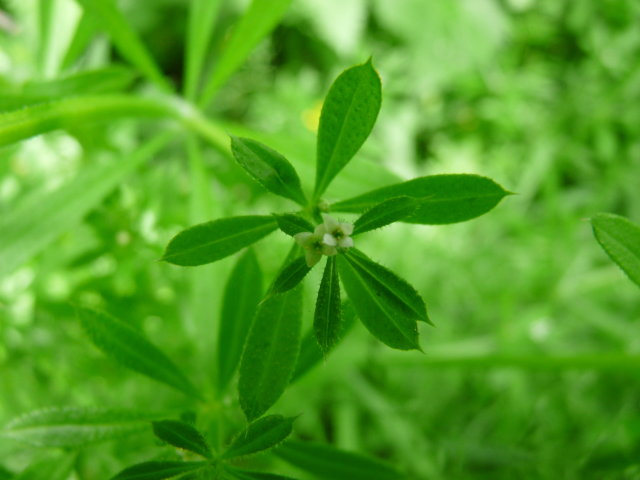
74,426
272,170
128,347
270,353
347,118
292,224
387,212
53,467
242,295
310,353
326,461
442,199
251,475
263,434
181,435
394,285
158,470
381,312
211,241
290,276
620,239
327,321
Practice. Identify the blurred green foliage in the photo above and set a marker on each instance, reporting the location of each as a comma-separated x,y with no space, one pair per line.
532,371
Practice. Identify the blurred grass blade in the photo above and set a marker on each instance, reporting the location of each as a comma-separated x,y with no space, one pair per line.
270,352
269,168
181,435
84,32
44,216
211,241
310,353
106,14
348,115
326,461
251,475
290,276
259,19
385,213
378,309
128,347
291,224
158,470
56,466
265,433
442,198
327,321
74,426
240,302
202,18
620,238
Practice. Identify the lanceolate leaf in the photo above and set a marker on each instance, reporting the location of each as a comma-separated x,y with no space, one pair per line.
620,238
268,167
52,467
73,426
441,198
290,276
326,319
182,435
326,461
127,346
241,297
270,353
265,433
211,241
348,115
158,470
382,214
251,475
379,310
292,224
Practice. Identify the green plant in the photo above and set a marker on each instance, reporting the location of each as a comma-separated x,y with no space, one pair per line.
620,238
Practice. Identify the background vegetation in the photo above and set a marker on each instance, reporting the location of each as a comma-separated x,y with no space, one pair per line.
532,369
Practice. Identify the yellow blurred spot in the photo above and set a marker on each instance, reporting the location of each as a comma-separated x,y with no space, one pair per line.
311,117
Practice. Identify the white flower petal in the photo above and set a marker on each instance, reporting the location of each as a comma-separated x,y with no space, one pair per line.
329,240
347,228
330,223
346,242
303,238
320,230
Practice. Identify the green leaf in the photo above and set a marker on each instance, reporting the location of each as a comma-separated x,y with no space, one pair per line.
270,352
442,198
326,461
348,115
269,168
620,238
41,218
182,435
242,295
292,224
327,321
263,434
158,470
106,15
211,241
310,353
380,311
84,33
290,276
251,475
52,467
74,426
384,213
259,19
128,347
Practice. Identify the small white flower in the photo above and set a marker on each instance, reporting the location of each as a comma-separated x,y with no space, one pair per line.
326,239
336,233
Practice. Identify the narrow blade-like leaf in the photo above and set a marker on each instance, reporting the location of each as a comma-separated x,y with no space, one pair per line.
270,352
291,224
263,434
128,347
211,241
326,461
327,321
182,435
385,213
74,426
251,475
269,168
158,470
348,115
241,297
52,467
620,238
381,312
441,199
290,276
